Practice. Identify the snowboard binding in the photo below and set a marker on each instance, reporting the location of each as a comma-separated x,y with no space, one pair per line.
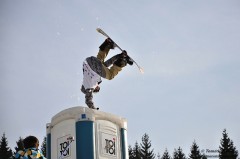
107,44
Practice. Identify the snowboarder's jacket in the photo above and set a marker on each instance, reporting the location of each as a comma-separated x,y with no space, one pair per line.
31,153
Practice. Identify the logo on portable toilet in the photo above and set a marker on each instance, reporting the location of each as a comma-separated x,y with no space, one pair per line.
109,144
64,146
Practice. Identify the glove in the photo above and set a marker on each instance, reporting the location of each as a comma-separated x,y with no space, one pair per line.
96,90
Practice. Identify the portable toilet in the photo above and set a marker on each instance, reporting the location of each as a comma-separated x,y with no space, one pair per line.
84,133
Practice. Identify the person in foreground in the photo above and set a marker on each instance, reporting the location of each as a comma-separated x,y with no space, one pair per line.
31,150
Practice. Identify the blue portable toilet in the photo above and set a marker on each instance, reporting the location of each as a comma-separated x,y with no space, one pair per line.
97,135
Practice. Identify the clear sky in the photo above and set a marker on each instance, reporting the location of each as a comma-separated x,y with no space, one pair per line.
188,49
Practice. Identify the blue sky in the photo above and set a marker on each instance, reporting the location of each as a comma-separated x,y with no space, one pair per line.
188,49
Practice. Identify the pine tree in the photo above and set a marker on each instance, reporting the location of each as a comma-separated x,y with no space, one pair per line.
19,145
44,147
166,155
204,156
146,153
5,151
130,152
178,154
195,152
136,151
227,149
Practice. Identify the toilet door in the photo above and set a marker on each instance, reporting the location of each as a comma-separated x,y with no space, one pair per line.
107,140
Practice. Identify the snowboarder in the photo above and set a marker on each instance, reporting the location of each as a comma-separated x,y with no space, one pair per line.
96,67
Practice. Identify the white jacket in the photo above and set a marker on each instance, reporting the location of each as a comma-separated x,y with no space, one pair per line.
90,78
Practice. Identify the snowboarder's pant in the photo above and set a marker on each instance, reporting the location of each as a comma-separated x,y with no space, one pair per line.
100,67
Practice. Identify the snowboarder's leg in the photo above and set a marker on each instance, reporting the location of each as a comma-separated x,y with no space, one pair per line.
104,49
112,72
124,55
102,55
111,61
116,67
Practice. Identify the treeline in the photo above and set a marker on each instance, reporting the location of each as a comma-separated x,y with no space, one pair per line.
144,150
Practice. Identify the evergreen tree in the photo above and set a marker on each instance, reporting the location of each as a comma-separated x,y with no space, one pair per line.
44,146
195,153
146,153
19,145
5,151
178,154
166,155
204,156
227,149
136,151
130,152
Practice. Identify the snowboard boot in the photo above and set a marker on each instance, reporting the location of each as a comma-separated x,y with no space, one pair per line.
129,60
123,59
121,62
107,44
